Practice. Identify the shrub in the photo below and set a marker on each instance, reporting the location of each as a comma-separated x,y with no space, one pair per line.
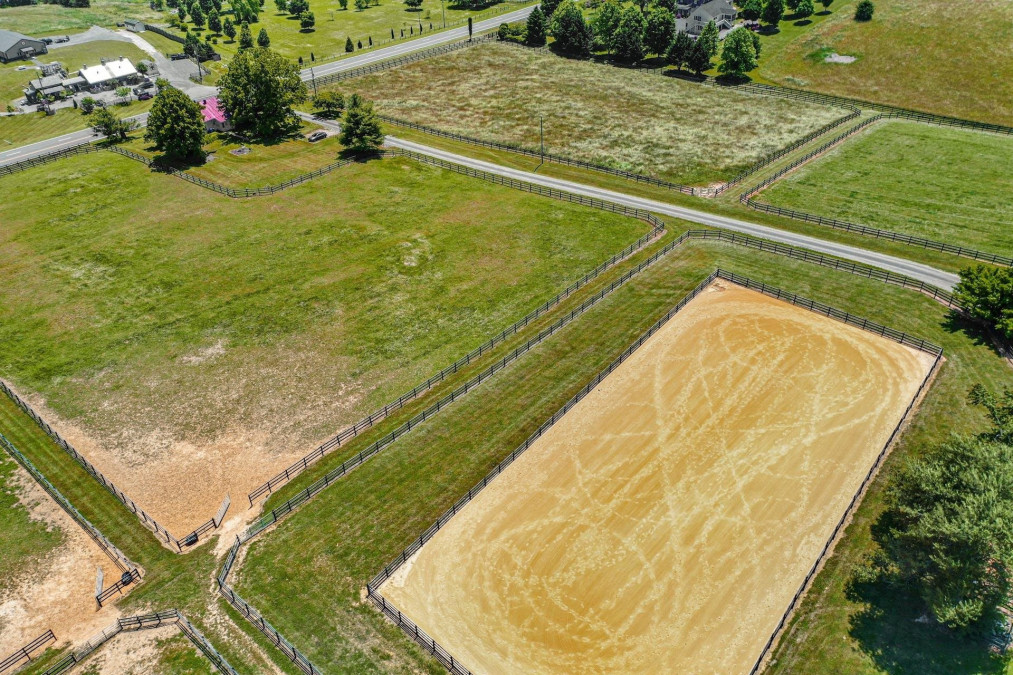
864,10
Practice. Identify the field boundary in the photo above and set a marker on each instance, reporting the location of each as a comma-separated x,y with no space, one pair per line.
441,654
122,562
25,653
145,622
149,522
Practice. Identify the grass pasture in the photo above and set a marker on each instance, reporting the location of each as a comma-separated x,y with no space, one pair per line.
940,183
906,55
665,127
226,338
307,575
50,19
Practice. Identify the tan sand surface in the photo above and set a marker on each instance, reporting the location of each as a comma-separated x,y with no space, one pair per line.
60,593
663,525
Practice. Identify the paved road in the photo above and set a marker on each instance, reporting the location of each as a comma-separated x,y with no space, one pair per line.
58,143
926,273
409,46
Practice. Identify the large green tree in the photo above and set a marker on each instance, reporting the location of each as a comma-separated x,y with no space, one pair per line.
538,26
628,41
773,12
660,30
606,23
751,10
245,37
259,89
986,294
738,53
360,128
572,33
175,125
804,9
698,59
709,38
864,10
678,52
229,29
104,122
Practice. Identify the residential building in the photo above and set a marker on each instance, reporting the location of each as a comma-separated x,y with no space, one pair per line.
215,117
721,12
15,46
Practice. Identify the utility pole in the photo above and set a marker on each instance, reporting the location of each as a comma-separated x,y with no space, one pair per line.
314,78
469,29
541,143
443,7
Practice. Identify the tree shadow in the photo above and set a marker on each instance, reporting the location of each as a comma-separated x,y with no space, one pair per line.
473,6
733,80
803,22
825,12
979,334
768,30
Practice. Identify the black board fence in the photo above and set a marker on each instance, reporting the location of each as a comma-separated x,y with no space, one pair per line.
24,655
144,622
414,632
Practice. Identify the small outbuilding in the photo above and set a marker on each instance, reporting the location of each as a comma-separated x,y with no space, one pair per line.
15,46
215,117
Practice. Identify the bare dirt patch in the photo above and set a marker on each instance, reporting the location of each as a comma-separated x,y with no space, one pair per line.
60,593
665,522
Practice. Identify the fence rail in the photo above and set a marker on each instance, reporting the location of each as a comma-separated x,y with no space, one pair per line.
445,657
126,579
26,164
25,653
144,622
121,561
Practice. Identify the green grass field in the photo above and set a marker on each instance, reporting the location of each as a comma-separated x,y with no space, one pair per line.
905,55
334,25
307,575
939,183
278,319
45,19
648,124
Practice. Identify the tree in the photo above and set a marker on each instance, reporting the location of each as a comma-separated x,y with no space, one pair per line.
678,52
1000,412
986,294
550,7
262,39
573,34
826,4
281,5
791,4
258,90
142,67
361,5
864,10
605,24
804,9
698,60
307,21
123,93
110,126
176,125
349,46
181,13
538,25
773,12
344,4
329,104
660,30
751,10
757,44
947,530
197,15
245,37
670,5
297,7
709,39
215,22
629,37
229,29
360,128
738,53
193,47
413,4
87,105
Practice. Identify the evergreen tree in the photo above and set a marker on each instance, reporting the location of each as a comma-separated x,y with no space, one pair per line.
197,15
215,21
360,128
281,5
864,10
245,37
349,47
698,60
573,35
262,39
549,7
229,29
709,38
538,25
678,52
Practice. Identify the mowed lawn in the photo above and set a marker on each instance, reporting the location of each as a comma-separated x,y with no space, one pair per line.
307,575
649,124
147,310
52,19
939,183
914,54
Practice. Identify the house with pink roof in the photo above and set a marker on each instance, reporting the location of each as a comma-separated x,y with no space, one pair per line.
215,117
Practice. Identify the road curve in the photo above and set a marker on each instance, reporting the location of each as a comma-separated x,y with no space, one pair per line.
915,270
410,46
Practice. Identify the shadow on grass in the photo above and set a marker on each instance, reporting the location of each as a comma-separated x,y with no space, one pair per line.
803,22
979,334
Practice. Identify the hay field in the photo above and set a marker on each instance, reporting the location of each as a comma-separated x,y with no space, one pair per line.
665,522
914,54
191,345
665,127
944,184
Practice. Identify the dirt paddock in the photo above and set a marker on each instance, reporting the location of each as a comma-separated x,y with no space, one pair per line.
665,522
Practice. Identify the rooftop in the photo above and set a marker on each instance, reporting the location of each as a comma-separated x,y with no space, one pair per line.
212,110
110,70
9,38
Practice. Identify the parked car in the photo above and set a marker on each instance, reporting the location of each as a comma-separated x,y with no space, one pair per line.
145,96
65,38
47,41
178,57
317,136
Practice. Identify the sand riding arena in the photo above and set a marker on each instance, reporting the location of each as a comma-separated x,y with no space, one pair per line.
665,522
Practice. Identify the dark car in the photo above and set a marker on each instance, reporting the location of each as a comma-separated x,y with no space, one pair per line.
317,136
65,38
145,96
178,57
47,41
